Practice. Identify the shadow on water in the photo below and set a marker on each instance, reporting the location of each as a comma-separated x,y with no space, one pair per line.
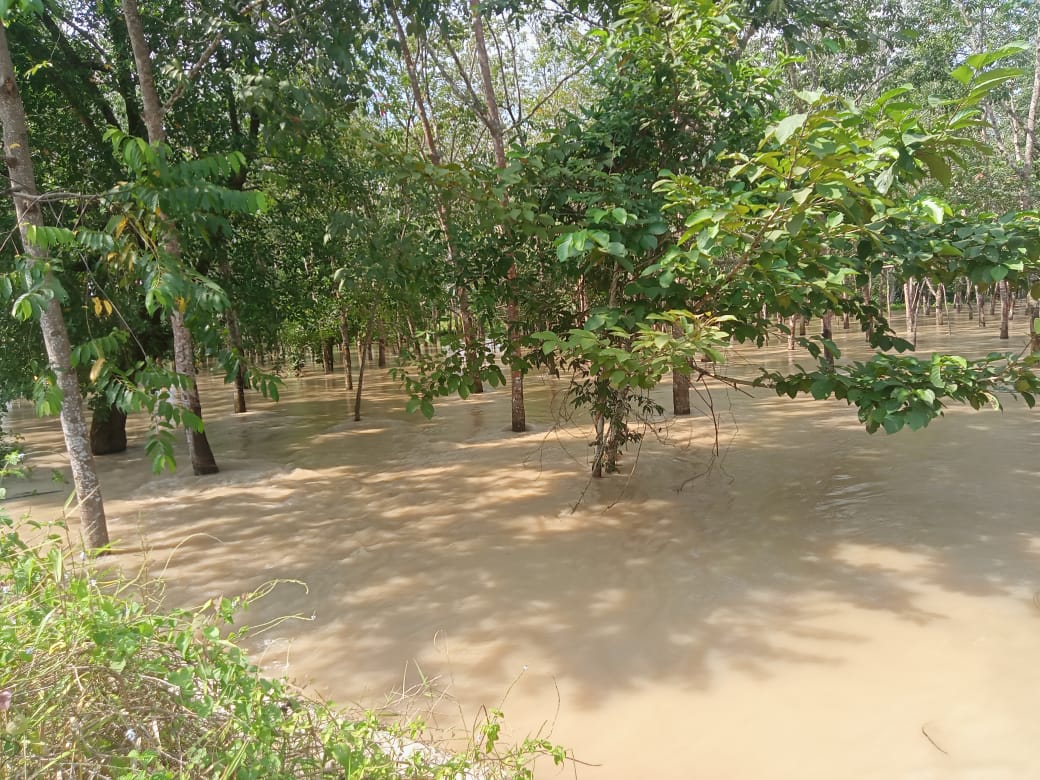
810,561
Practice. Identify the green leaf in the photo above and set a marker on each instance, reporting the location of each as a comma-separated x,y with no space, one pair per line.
426,406
935,210
787,126
962,74
937,166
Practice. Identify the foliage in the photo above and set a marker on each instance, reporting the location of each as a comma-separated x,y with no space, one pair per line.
95,682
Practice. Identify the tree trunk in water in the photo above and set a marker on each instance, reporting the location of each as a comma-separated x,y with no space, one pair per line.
1005,307
981,306
792,324
327,363
828,334
199,451
107,431
680,384
344,340
365,355
18,156
202,460
494,125
599,426
235,337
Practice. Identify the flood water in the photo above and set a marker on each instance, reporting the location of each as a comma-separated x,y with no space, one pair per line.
816,603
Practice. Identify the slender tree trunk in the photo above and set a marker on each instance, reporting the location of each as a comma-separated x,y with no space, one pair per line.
381,362
866,293
328,365
366,355
201,454
981,304
494,125
235,337
680,384
18,156
1033,309
344,340
792,324
469,337
828,334
1005,307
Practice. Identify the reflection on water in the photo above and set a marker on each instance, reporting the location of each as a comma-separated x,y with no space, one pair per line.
818,603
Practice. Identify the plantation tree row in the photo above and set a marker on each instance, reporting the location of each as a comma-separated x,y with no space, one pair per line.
610,191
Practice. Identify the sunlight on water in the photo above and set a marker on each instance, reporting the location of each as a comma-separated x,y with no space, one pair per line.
818,603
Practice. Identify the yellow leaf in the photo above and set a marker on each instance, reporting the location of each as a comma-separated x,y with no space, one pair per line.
95,370
120,227
97,306
182,305
109,308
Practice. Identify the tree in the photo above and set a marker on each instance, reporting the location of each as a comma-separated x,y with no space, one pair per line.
199,450
45,302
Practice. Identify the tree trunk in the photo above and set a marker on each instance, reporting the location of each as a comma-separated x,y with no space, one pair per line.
494,126
344,340
107,431
381,362
1005,307
869,332
201,454
1033,309
828,335
443,215
327,363
365,355
981,306
235,337
792,324
18,156
680,384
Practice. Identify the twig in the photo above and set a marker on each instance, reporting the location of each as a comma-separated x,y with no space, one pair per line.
934,743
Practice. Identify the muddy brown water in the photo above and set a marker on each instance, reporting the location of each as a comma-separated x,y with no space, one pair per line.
815,603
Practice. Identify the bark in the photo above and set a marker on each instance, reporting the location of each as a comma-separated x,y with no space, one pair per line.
1005,306
1033,313
680,385
792,324
365,352
494,126
235,337
828,334
381,362
107,431
869,332
912,298
201,454
344,340
327,363
18,156
981,306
